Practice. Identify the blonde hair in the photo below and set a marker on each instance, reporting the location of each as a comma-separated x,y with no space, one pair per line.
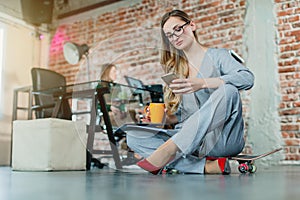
105,72
173,60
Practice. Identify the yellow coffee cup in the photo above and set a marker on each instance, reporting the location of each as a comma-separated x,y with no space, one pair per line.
156,112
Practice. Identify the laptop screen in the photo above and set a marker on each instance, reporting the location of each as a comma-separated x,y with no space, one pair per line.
136,83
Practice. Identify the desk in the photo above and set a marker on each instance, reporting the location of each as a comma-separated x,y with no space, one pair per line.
101,95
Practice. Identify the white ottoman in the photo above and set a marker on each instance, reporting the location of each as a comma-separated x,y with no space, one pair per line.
49,144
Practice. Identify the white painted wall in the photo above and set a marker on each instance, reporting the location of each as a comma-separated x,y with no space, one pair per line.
23,50
264,122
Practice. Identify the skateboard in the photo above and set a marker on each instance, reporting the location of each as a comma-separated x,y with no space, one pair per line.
246,162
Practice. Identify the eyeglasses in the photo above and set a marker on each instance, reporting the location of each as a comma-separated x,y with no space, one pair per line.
177,31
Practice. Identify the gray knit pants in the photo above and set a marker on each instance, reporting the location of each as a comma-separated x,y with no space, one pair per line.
216,129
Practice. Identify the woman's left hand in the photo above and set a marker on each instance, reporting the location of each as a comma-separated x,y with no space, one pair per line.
185,86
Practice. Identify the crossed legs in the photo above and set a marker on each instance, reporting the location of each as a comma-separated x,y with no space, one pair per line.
225,103
165,153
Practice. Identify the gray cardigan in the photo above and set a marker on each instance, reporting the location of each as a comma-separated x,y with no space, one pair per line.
216,63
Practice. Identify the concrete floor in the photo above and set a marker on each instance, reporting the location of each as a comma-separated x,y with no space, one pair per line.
276,183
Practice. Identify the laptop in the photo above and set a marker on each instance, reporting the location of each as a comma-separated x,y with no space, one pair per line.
156,90
135,83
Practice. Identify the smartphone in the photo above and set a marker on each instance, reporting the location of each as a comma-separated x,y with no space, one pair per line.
168,78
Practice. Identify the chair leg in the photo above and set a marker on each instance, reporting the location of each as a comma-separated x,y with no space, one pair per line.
90,161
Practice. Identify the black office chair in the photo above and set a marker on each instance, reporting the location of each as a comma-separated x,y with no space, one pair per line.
44,105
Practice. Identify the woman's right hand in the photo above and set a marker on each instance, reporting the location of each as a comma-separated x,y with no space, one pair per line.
190,85
185,86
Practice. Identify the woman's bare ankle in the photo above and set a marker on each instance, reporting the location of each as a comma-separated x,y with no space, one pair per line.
160,158
212,167
163,154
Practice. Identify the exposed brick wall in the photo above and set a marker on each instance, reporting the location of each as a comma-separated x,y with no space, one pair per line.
288,41
130,38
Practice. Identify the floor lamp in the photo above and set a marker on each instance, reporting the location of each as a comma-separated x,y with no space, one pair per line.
73,54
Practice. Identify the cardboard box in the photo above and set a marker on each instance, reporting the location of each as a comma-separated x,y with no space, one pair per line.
49,144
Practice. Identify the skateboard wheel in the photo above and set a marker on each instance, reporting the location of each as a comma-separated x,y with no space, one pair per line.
253,169
164,171
243,168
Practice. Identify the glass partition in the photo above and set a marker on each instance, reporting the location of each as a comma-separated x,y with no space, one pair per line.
124,103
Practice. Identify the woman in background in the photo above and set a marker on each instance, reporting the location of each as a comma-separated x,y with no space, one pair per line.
108,72
108,77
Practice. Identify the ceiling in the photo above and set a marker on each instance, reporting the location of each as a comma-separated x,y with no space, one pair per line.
66,8
43,11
